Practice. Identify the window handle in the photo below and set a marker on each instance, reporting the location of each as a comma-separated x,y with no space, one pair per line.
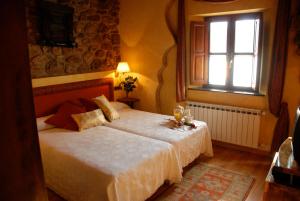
230,63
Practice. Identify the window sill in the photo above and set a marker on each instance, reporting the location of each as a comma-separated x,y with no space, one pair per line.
226,91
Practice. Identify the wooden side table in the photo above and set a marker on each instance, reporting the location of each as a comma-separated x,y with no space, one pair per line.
129,101
279,192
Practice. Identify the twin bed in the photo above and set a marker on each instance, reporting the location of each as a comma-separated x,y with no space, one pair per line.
125,160
188,144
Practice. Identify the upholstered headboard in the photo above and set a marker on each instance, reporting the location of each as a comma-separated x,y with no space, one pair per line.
48,98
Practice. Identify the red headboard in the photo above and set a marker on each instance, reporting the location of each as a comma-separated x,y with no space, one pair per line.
48,98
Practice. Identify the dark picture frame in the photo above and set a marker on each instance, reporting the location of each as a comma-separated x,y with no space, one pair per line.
56,25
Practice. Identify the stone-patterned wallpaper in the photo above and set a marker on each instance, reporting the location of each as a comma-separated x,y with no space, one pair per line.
95,31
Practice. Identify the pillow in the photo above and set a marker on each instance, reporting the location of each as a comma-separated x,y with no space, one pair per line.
42,125
89,119
119,106
109,111
88,104
63,119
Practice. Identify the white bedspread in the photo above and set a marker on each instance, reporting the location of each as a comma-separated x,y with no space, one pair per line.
102,163
189,144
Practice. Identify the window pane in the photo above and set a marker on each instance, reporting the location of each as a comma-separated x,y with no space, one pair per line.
217,69
244,71
218,37
245,33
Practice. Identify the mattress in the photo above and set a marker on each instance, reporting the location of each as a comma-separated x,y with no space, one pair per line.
189,143
102,163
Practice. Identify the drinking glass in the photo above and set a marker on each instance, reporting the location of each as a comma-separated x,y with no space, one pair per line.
177,114
188,118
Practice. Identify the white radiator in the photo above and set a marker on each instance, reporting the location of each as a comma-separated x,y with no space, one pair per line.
229,124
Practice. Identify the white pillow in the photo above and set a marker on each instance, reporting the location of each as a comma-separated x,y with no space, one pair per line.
89,119
41,125
118,105
108,110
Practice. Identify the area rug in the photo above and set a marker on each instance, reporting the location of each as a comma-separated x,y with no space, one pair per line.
209,183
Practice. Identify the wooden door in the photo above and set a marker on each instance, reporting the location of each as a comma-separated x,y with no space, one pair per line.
21,175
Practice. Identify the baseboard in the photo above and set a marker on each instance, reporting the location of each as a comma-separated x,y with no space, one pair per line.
241,148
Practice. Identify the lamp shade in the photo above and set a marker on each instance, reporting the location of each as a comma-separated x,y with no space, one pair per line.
123,67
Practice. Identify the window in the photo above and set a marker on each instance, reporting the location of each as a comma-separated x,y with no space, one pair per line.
225,52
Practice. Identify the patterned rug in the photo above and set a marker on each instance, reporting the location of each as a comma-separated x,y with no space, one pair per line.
209,183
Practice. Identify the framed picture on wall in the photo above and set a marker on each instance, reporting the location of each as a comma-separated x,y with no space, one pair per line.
56,25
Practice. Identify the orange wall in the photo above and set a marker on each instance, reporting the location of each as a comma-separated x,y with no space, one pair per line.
144,40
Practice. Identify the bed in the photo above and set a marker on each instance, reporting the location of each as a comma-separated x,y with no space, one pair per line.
189,143
100,163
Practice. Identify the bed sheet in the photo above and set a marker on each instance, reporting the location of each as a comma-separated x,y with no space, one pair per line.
102,163
188,143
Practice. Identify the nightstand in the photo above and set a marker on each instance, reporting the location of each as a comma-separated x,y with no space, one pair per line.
129,101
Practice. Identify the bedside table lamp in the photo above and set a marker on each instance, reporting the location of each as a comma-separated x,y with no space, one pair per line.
122,68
